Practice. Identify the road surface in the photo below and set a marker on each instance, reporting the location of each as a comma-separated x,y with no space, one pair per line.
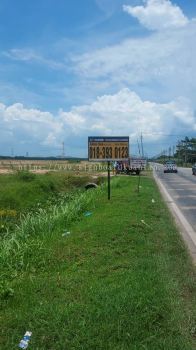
182,189
179,192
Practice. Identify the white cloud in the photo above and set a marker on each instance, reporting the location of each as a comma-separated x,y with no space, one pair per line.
109,6
158,14
29,125
165,59
127,112
118,114
29,55
74,120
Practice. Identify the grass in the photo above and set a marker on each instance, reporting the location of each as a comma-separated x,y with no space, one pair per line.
25,191
121,280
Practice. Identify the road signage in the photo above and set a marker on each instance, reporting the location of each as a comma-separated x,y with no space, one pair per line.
108,148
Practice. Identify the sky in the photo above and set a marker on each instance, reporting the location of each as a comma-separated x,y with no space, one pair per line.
70,69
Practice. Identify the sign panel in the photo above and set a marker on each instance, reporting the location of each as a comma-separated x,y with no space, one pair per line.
108,148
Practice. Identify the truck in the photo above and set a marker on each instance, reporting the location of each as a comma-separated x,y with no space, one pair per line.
133,165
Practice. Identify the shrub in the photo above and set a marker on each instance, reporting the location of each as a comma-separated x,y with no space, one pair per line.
26,175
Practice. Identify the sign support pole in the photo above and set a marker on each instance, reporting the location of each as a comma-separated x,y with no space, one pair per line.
108,180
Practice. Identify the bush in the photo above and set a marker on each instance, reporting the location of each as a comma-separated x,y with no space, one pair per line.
26,175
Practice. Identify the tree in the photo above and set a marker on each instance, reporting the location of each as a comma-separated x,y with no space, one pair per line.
186,150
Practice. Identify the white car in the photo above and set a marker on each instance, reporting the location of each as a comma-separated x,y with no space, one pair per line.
170,167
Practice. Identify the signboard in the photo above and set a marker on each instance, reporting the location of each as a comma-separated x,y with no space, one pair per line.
108,148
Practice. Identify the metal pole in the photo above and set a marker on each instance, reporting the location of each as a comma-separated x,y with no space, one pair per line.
138,147
142,146
109,180
138,183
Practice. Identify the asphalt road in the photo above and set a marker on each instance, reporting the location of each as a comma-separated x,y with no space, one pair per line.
182,189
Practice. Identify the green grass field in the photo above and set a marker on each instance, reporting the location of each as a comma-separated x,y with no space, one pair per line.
23,191
121,280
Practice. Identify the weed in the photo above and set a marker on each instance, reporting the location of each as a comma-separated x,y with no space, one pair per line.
25,175
34,226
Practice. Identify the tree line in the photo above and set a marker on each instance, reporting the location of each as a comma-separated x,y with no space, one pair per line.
186,150
183,153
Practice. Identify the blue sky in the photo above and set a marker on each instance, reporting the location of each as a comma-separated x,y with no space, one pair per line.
74,68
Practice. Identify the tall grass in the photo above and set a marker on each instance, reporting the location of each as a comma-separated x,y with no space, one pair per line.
23,190
28,238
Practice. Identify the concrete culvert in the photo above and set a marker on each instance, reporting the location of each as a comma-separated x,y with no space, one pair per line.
90,185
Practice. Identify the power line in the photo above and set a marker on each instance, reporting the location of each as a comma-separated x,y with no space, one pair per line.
161,134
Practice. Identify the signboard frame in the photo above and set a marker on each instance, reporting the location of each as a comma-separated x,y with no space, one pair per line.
111,146
115,148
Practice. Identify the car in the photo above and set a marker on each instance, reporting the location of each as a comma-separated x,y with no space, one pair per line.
194,169
170,167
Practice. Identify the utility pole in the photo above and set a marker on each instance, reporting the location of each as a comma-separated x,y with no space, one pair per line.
63,149
173,151
179,151
142,146
169,152
165,154
138,147
186,149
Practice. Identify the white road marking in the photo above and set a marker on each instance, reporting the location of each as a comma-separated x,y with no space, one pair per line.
181,183
177,196
186,184
176,189
188,207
